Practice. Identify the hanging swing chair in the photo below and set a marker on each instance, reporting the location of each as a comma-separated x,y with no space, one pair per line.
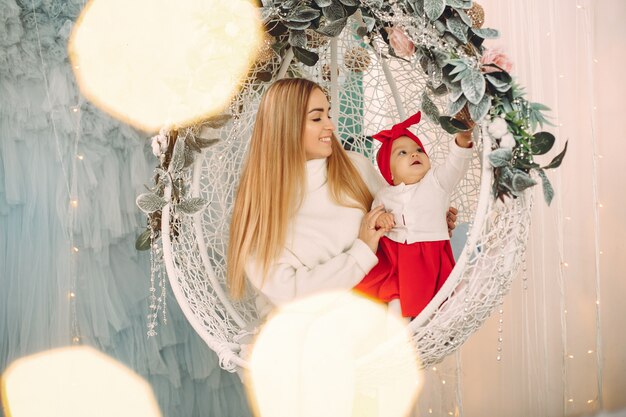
370,89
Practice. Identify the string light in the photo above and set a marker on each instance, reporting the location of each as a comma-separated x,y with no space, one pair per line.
443,381
75,109
74,203
72,295
570,356
74,249
80,157
430,411
590,401
571,400
565,264
590,351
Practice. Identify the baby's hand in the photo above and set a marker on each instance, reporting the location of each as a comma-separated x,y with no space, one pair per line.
385,221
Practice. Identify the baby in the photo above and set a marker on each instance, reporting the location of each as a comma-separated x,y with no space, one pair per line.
415,257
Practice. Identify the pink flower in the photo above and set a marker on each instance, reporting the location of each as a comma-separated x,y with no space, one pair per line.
498,57
400,43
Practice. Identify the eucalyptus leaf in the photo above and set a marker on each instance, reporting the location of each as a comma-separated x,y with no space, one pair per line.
190,155
350,2
418,6
191,145
333,29
452,40
297,38
435,74
456,92
334,12
473,85
440,27
218,121
548,191
303,14
459,29
287,4
150,202
458,64
434,8
556,162
192,205
143,241
456,106
440,57
486,33
429,108
323,3
542,142
308,58
178,156
499,85
505,179
205,143
459,76
500,157
439,91
455,3
539,107
464,17
521,181
452,125
478,111
296,25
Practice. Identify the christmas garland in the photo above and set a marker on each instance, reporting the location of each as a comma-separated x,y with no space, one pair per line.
446,38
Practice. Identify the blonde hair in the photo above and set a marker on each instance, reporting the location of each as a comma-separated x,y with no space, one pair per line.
273,180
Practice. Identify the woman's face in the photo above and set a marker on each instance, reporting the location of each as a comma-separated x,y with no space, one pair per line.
318,127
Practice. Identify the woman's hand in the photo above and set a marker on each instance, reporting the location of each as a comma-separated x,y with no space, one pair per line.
451,219
368,232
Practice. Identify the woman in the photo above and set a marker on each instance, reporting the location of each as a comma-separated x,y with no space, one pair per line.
301,221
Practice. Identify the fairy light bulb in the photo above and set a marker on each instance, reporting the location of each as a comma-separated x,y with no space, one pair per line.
74,249
74,203
174,73
326,346
75,381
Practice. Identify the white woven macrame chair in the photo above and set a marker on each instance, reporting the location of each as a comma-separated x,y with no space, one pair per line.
368,93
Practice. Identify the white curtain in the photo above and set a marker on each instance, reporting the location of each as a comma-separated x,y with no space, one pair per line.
563,348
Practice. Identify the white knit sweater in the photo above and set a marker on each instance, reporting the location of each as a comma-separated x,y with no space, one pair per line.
419,209
322,252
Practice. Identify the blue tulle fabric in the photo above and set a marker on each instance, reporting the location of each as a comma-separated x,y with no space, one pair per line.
38,172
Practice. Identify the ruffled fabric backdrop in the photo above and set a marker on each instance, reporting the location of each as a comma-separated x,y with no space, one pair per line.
69,272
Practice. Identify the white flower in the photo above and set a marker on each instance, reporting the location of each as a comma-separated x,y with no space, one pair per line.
156,146
498,128
159,144
507,141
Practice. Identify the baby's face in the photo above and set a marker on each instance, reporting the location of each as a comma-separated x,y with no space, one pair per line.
409,164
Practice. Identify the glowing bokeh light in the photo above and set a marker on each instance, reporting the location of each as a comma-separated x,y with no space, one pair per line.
333,354
73,382
162,63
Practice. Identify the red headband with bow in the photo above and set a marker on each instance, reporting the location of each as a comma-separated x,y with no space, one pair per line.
388,136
